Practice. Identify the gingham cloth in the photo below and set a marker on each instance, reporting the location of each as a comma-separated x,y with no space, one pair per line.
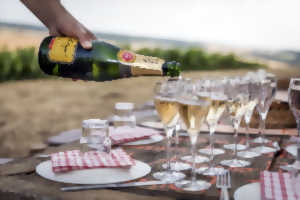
74,160
277,186
126,134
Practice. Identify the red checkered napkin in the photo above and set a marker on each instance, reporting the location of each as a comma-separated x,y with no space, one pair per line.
277,186
126,134
74,160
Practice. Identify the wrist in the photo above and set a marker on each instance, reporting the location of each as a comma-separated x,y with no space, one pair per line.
55,12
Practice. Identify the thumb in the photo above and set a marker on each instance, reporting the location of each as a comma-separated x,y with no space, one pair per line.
84,39
85,43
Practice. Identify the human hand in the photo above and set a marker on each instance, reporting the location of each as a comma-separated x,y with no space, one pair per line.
59,21
67,25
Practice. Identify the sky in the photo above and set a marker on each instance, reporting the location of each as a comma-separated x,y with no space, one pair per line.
261,24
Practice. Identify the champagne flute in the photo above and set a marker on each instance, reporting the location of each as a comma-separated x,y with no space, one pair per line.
167,109
236,107
193,111
253,88
267,93
203,88
176,165
294,103
217,108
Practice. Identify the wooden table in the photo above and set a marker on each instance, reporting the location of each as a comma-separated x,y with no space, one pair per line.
18,179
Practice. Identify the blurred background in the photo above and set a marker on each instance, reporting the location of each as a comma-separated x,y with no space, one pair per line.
208,37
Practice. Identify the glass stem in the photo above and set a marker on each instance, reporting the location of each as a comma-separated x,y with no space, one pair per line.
298,127
193,178
169,132
211,144
235,142
262,131
247,135
177,128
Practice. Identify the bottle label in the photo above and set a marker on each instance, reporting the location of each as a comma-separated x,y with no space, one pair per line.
140,64
126,56
147,65
62,49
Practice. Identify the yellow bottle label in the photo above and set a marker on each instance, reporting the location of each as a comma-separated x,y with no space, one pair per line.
62,49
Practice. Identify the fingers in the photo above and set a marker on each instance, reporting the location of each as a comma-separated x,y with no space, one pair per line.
91,35
54,32
85,38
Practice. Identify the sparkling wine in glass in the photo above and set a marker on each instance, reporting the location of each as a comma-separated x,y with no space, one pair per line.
218,106
193,112
167,109
177,165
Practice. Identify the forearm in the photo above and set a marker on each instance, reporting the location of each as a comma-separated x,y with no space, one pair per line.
46,10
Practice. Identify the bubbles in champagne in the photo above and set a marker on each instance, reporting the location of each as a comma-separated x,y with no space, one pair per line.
216,110
193,115
249,110
167,110
236,109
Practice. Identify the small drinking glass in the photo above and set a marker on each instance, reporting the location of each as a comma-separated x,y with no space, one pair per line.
124,115
98,135
84,136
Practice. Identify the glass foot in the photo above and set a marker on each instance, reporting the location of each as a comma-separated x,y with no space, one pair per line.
193,185
293,167
210,171
235,163
248,154
263,149
169,177
178,166
199,159
232,146
183,133
260,140
215,151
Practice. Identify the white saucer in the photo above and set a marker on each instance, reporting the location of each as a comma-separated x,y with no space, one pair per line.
292,149
250,191
152,139
152,124
94,176
65,137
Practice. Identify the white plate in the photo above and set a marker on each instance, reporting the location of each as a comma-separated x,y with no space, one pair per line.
250,191
152,139
292,149
94,176
152,124
65,137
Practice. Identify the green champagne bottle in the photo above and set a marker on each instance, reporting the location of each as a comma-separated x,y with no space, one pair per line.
65,57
